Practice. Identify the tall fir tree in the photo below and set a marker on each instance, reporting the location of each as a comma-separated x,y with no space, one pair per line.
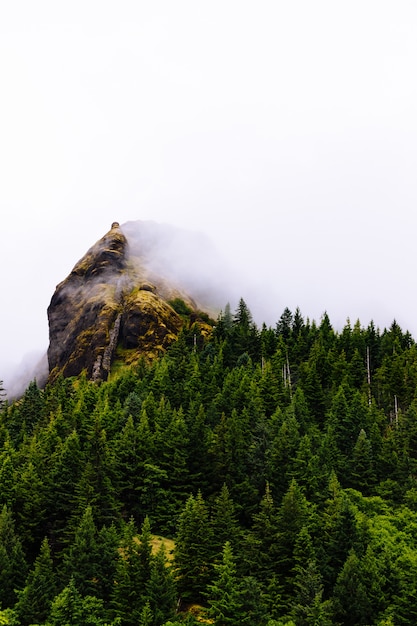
224,525
34,601
133,571
161,589
192,550
223,594
81,560
13,567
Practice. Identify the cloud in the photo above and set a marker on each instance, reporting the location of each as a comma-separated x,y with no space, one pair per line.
184,257
286,133
34,366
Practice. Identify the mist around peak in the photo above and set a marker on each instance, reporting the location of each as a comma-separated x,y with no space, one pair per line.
182,263
33,367
185,258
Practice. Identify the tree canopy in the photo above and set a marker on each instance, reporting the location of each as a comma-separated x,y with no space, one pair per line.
257,475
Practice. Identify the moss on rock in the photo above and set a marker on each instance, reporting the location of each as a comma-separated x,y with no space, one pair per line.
111,302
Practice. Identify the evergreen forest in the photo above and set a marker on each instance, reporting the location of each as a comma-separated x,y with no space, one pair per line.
259,476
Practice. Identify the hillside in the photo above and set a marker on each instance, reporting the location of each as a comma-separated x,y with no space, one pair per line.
282,462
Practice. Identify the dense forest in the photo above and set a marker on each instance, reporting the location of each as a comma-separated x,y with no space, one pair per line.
260,476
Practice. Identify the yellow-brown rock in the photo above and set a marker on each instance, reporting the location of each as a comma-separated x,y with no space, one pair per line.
111,300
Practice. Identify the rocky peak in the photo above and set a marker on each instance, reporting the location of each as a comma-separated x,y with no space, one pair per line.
110,301
109,254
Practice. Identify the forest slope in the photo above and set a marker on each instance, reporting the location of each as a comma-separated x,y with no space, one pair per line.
282,461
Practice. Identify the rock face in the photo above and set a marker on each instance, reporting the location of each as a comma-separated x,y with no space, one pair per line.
110,301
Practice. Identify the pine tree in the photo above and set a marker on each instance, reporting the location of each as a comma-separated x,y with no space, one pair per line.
122,593
81,561
13,566
281,456
192,549
30,506
230,450
127,465
308,607
304,551
338,533
108,542
284,325
357,370
35,599
362,473
161,589
293,514
7,474
31,407
312,386
172,446
132,574
67,608
67,467
224,597
97,484
144,553
307,468
350,594
224,523
147,617
260,545
224,324
70,608
340,420
254,602
405,597
199,466
245,336
95,489
299,409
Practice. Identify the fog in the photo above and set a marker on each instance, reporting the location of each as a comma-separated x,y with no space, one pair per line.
282,133
187,259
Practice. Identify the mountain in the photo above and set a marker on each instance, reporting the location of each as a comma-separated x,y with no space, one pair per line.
275,466
120,301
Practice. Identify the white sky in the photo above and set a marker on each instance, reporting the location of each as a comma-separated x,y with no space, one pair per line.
285,130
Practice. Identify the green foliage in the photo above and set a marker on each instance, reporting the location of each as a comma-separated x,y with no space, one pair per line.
224,525
298,444
67,608
80,562
35,599
180,307
132,574
350,594
192,549
31,408
7,474
30,505
161,588
70,608
224,594
13,567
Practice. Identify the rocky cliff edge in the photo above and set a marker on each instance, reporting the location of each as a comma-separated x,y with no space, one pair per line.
111,301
